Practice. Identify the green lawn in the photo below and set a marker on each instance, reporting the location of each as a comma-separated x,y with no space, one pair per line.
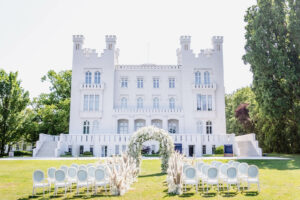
280,179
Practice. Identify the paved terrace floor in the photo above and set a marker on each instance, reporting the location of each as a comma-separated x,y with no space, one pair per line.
144,158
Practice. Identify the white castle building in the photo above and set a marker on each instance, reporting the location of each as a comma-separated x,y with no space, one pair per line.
110,101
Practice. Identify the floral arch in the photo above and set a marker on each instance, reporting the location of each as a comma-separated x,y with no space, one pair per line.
144,134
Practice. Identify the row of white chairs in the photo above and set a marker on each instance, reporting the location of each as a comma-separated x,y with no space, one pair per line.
64,177
231,173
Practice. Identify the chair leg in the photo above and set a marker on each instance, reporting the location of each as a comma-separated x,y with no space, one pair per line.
197,188
218,186
32,191
238,186
77,190
258,187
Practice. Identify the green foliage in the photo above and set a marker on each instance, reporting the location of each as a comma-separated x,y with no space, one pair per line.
22,153
86,154
13,101
219,150
273,52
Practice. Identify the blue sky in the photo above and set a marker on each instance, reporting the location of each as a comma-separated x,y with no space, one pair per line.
36,35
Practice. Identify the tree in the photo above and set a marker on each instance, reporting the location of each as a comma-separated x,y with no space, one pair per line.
13,101
273,52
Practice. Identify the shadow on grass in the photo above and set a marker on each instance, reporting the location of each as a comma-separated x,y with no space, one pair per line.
151,175
252,193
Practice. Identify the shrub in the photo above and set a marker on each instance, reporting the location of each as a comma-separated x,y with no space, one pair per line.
22,153
86,154
219,150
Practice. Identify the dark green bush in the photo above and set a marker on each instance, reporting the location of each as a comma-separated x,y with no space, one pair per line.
219,150
86,154
22,153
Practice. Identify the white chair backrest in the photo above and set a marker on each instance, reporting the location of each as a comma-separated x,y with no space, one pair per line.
51,172
99,174
218,164
82,167
253,171
235,164
243,169
82,175
204,169
60,175
231,172
72,172
64,168
199,166
74,165
89,165
91,171
190,173
100,167
223,169
38,176
212,173
185,166
213,163
230,162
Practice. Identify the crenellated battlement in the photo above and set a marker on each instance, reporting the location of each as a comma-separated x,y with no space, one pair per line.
110,38
78,38
217,39
185,39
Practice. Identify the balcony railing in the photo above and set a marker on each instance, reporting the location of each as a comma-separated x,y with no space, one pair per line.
92,86
147,110
204,86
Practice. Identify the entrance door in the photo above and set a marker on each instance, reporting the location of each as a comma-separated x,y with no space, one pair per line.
191,150
104,151
178,147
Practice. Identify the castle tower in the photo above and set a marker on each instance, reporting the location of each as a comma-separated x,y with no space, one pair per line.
78,41
110,42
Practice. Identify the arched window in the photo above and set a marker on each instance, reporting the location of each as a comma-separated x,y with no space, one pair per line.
97,78
124,102
199,127
88,77
197,78
139,123
122,126
86,127
157,123
206,78
171,103
139,103
173,126
95,126
155,103
208,127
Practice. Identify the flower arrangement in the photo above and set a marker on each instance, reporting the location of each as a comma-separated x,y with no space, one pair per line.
175,173
123,172
151,133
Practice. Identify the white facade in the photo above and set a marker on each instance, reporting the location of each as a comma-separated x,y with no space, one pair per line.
109,101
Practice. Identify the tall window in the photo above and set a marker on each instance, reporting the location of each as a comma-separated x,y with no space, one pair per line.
203,149
117,149
139,103
199,127
124,102
197,78
155,103
213,149
140,83
95,126
157,123
124,82
86,127
173,126
85,102
209,102
171,82
96,102
171,103
91,103
155,82
139,123
206,78
123,126
88,77
208,127
203,99
97,78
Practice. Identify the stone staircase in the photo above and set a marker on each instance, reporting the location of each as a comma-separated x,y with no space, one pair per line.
247,146
246,149
47,149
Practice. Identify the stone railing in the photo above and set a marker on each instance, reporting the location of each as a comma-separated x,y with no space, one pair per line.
43,138
148,67
92,86
204,86
147,110
250,137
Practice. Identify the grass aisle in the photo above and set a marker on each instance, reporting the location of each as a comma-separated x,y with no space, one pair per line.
279,179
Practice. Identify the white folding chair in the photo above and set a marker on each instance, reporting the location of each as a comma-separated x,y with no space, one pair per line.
82,167
242,172
75,165
212,178
199,169
100,179
64,168
60,181
223,172
71,176
82,180
190,177
38,181
230,162
232,178
51,175
235,164
253,176
91,175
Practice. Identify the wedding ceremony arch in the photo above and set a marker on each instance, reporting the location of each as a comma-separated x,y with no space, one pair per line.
166,145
